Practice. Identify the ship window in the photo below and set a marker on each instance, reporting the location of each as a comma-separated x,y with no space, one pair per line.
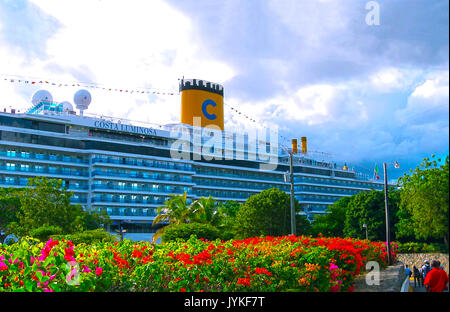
10,166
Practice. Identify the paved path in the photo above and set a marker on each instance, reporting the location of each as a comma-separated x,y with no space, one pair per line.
417,288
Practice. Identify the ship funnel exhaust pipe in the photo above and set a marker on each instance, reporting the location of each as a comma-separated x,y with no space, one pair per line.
304,146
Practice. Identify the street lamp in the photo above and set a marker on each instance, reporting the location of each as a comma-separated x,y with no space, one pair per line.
289,176
386,208
121,230
367,235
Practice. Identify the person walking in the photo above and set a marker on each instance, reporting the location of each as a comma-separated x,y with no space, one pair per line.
425,269
408,271
417,277
436,280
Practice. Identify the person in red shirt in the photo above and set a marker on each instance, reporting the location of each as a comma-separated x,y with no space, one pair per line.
437,279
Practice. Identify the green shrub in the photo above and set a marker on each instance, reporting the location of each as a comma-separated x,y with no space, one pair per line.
44,232
88,237
414,247
185,230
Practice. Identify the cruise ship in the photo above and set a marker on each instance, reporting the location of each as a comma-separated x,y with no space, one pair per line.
128,169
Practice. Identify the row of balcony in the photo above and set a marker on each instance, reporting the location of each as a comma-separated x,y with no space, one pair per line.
143,175
43,169
17,154
141,163
132,212
238,175
153,188
342,183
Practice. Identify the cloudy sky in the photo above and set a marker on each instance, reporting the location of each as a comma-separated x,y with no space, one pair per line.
364,93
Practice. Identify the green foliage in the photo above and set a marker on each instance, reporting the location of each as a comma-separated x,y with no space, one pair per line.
414,247
425,200
87,237
345,218
185,230
174,211
44,208
207,211
267,213
369,208
228,210
9,206
44,232
332,223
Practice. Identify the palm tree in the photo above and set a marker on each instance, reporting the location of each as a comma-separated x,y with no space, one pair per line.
175,211
207,211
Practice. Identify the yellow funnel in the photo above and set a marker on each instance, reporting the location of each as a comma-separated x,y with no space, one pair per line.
304,146
294,146
202,99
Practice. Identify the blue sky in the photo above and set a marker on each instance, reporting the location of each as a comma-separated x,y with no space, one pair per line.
366,94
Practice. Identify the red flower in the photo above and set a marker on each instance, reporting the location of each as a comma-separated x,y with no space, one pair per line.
243,281
69,253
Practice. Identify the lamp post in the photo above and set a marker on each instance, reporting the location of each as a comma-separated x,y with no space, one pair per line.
367,235
386,208
289,177
121,230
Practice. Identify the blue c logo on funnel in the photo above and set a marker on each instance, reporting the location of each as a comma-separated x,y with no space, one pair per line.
205,105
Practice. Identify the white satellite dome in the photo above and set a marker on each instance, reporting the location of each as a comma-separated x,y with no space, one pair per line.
82,99
67,106
41,96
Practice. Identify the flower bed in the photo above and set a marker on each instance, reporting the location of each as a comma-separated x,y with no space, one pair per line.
285,263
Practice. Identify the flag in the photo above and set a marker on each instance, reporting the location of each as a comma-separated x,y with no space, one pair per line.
396,165
376,173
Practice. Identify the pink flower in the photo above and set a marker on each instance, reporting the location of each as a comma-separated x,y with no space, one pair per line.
333,266
86,269
98,271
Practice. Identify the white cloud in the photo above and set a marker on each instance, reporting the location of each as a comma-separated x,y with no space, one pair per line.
393,79
428,103
119,44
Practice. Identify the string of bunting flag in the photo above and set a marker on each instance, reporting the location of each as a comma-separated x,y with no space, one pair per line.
241,114
89,85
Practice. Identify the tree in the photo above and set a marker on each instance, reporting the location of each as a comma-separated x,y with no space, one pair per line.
268,213
174,211
331,223
425,199
45,209
9,206
228,211
208,211
369,208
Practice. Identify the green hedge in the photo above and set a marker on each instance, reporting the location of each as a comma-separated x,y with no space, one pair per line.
185,230
413,247
87,237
